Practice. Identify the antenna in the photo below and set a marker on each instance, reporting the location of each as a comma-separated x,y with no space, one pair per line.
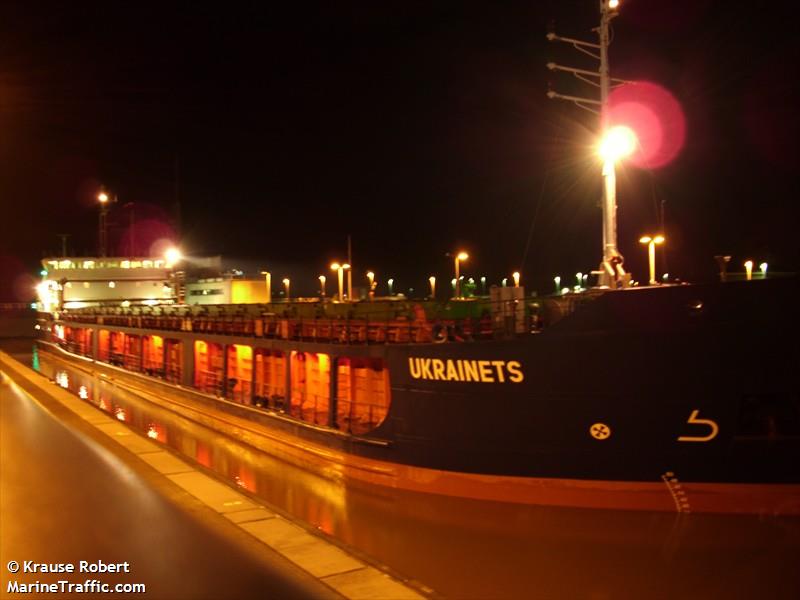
63,237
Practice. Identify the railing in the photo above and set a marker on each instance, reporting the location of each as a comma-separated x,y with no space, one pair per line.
336,331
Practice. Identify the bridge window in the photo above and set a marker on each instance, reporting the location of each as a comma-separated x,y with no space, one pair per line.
362,394
80,340
208,371
116,348
311,376
153,355
132,358
104,345
174,361
270,379
240,373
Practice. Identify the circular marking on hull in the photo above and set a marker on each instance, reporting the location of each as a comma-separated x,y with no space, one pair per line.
600,431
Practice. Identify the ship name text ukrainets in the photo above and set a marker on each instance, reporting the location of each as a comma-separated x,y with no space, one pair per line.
483,371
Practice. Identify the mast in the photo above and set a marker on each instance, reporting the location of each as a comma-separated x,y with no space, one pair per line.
612,273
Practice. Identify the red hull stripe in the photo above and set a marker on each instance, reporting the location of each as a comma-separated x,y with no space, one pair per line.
666,495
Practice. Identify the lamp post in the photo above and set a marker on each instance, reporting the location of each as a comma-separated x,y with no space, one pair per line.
579,277
390,283
557,281
722,261
103,199
371,279
432,281
763,268
322,280
483,286
748,267
286,284
651,242
458,258
515,275
268,284
340,271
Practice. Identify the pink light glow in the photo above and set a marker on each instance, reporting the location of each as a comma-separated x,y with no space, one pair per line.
655,116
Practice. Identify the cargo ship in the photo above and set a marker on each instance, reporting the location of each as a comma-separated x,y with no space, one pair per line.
673,397
661,397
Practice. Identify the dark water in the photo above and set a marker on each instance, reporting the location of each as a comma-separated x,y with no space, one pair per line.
473,549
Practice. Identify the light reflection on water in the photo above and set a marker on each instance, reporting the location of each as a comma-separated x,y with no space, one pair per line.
474,549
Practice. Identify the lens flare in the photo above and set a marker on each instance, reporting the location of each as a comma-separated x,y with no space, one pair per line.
619,141
655,116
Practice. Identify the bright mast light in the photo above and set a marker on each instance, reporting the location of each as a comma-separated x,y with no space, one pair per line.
619,142
173,255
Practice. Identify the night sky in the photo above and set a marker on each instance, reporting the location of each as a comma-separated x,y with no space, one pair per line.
418,128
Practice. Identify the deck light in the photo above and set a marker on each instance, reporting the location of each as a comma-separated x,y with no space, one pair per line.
432,281
173,256
557,281
748,267
103,199
322,280
459,257
268,283
390,283
763,268
340,271
651,242
346,267
372,285
515,275
286,284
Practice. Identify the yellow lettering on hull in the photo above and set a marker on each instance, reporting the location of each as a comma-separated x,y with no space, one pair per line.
480,371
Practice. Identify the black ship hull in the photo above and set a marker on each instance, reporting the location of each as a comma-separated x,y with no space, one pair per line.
676,398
